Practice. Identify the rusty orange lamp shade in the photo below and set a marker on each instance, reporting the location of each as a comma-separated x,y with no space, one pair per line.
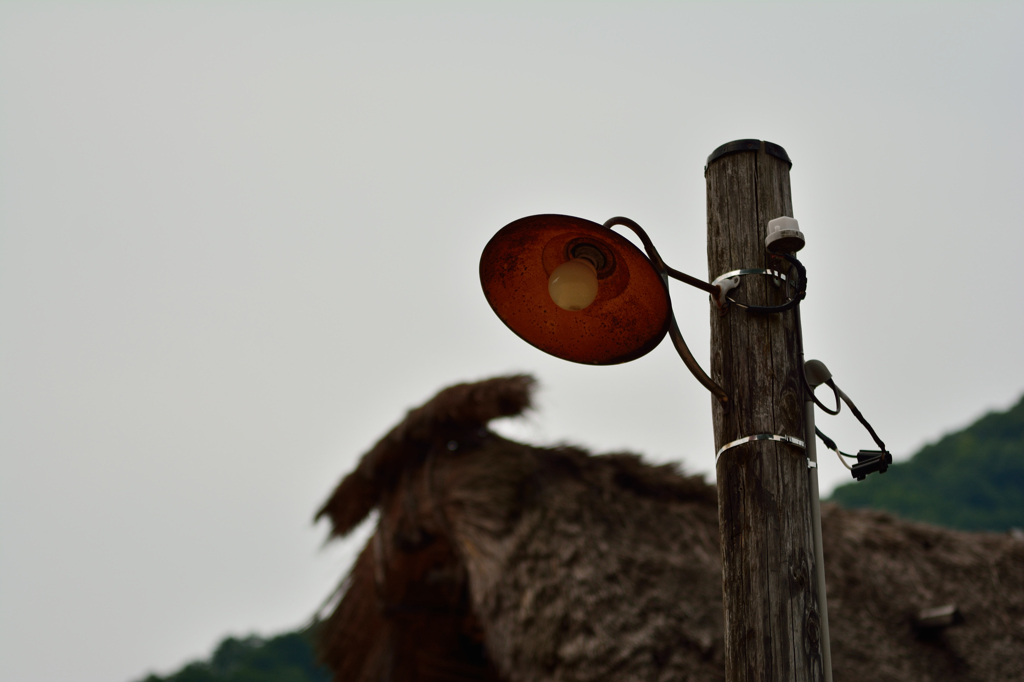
581,292
575,289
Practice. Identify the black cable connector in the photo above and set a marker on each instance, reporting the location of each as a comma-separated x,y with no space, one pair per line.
870,461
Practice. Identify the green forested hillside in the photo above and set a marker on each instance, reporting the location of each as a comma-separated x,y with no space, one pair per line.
971,480
285,658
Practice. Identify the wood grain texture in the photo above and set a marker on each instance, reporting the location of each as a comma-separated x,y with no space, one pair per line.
771,613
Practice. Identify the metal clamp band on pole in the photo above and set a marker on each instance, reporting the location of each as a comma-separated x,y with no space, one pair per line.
731,280
761,436
748,271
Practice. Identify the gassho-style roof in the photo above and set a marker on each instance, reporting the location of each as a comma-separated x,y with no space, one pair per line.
495,560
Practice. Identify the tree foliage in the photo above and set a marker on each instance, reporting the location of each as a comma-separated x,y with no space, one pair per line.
284,658
972,479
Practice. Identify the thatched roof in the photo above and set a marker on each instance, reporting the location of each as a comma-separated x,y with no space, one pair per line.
494,560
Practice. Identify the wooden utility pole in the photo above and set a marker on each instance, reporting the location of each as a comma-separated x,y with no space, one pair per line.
772,622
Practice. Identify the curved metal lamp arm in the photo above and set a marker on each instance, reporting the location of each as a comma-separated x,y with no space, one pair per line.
673,330
655,257
691,364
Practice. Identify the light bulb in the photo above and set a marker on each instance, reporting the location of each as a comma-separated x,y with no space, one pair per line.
573,284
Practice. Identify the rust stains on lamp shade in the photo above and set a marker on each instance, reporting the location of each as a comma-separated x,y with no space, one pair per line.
629,317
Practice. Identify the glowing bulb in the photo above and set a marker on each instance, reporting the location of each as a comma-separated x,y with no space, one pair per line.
573,284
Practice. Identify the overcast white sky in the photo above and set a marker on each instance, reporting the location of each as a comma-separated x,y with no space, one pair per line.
239,240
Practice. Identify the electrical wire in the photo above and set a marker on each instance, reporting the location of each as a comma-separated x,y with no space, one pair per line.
831,445
861,419
835,391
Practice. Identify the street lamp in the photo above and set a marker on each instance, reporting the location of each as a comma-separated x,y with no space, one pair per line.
582,292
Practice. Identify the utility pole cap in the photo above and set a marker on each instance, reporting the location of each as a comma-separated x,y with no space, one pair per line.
784,235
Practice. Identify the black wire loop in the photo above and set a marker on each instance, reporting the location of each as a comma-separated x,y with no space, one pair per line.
831,384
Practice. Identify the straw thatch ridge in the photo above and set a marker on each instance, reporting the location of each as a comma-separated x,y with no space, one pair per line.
455,411
494,560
